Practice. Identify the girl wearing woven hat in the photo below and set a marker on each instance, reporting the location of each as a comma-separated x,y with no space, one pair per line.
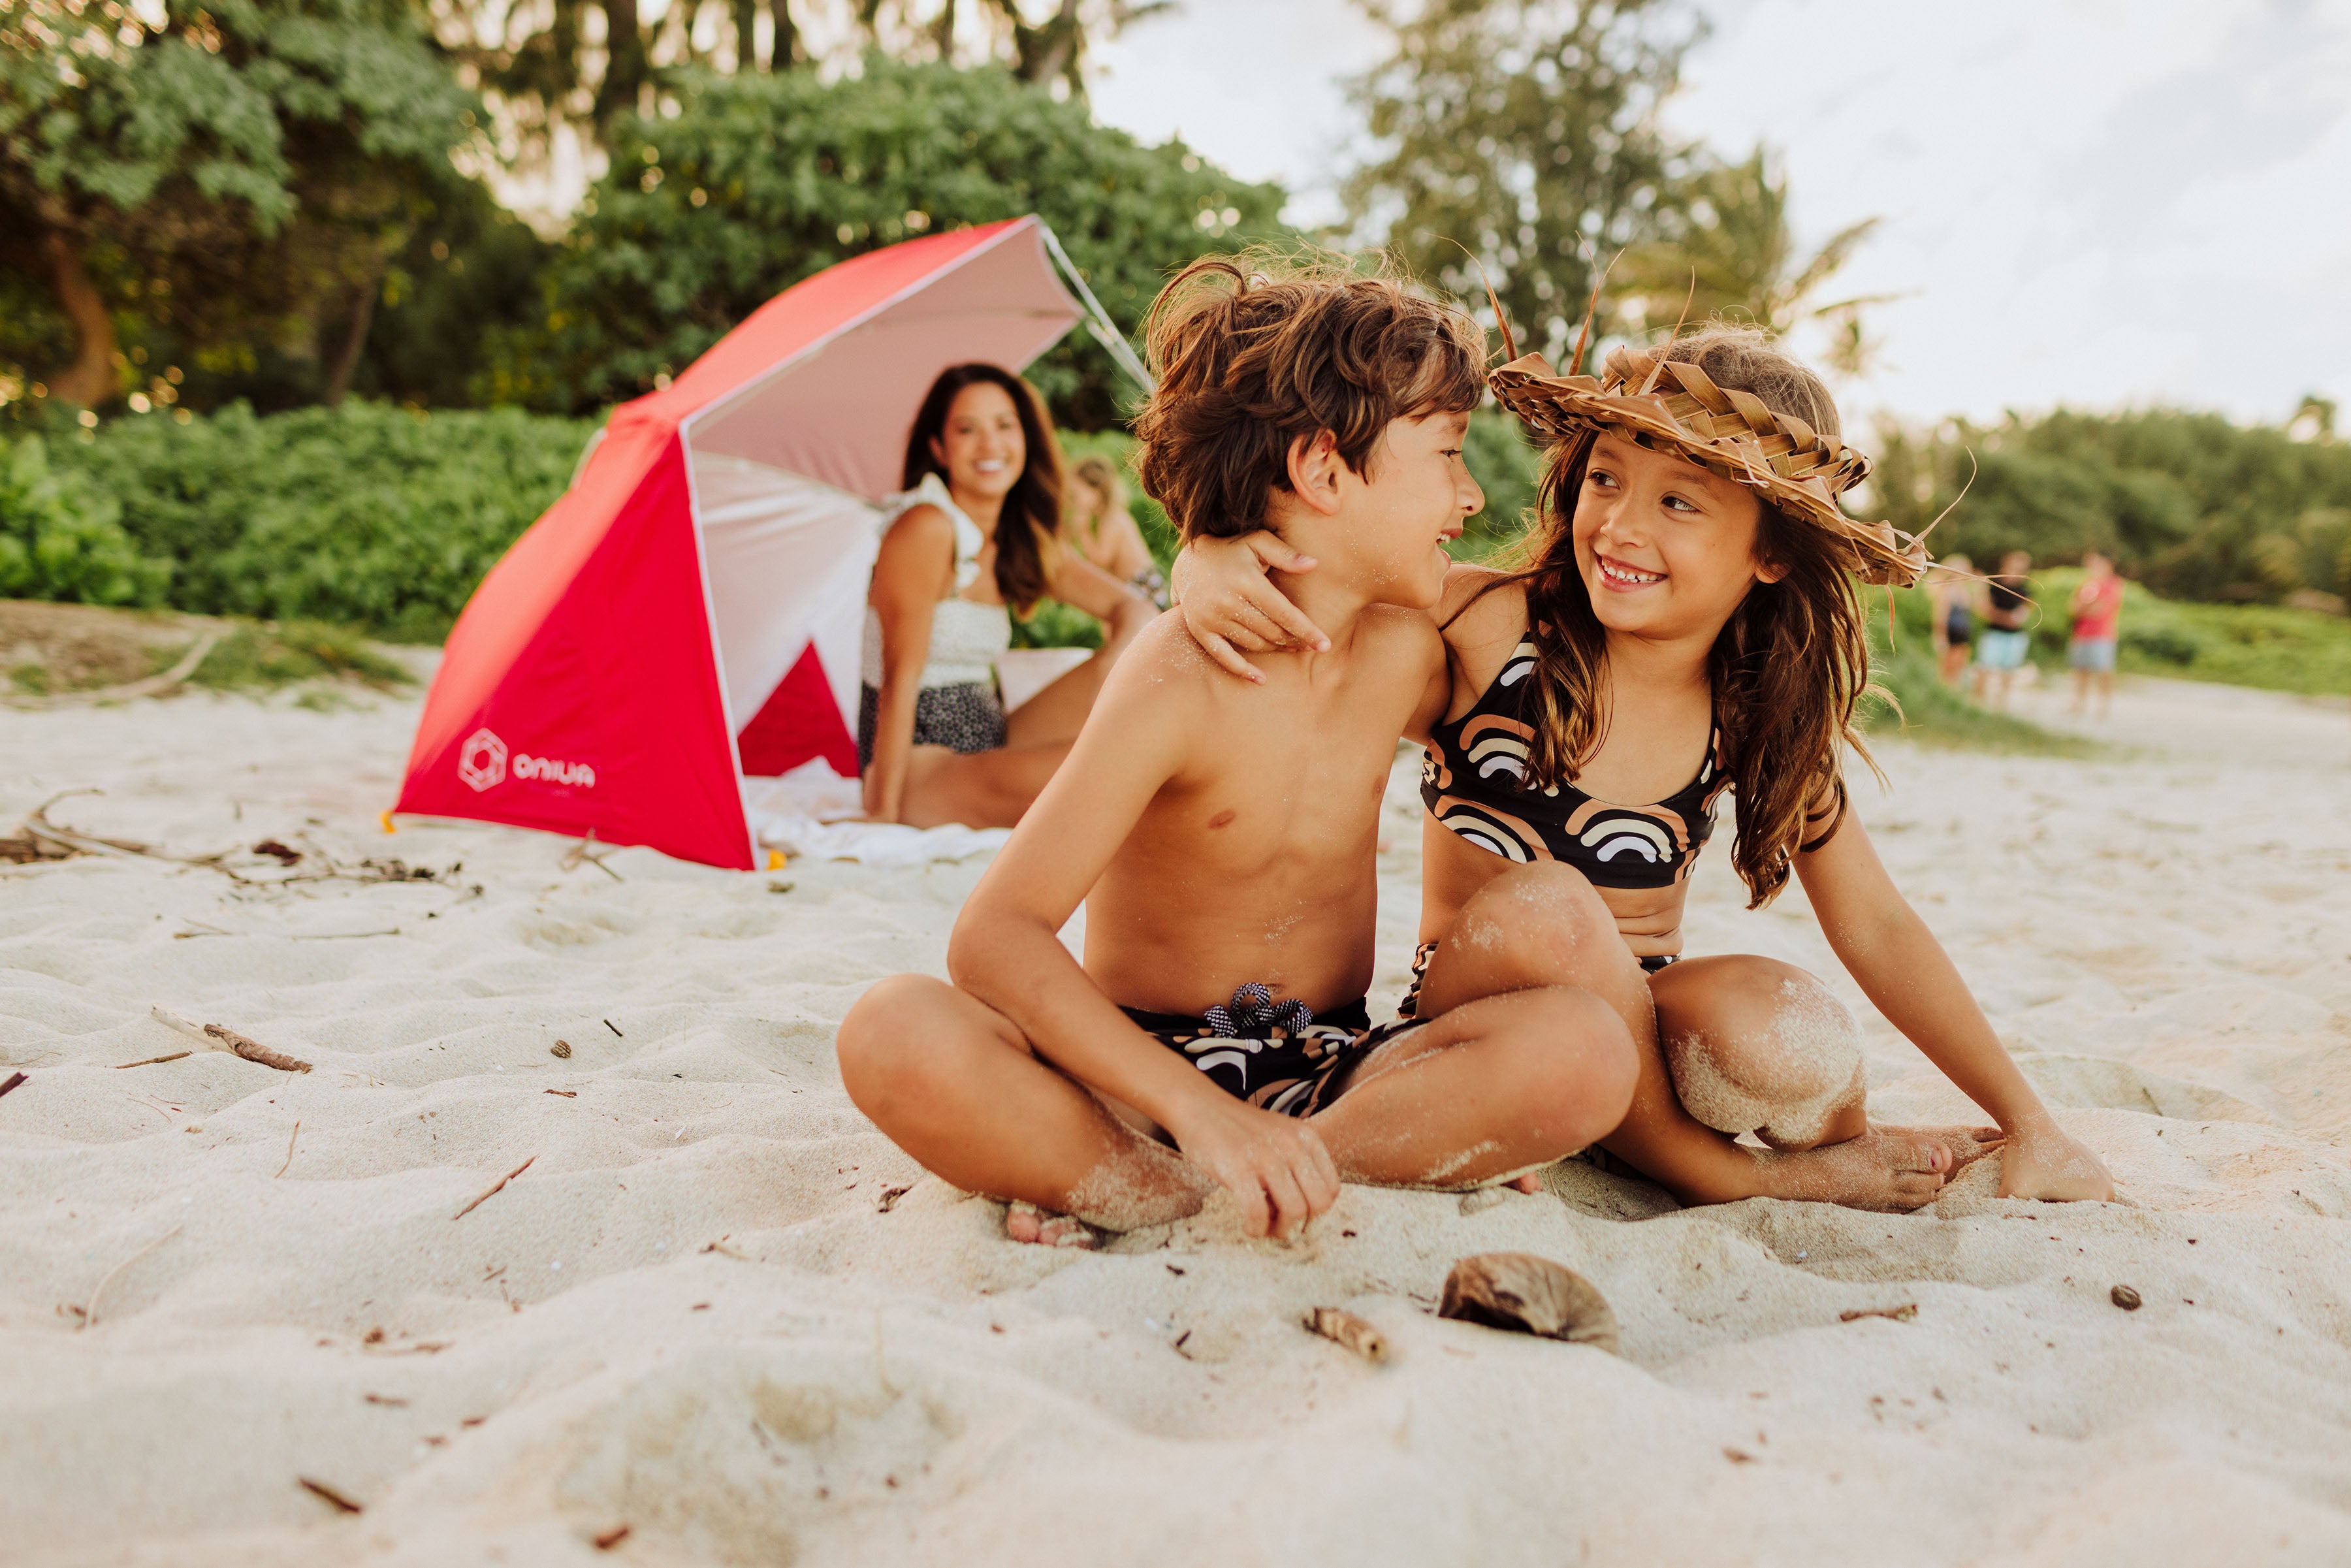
1681,622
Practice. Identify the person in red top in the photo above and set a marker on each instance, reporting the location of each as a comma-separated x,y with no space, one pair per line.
2097,604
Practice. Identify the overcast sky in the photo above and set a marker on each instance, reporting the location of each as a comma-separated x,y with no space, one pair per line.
2095,203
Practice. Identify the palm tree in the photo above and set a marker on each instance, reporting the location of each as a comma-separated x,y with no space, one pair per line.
1728,251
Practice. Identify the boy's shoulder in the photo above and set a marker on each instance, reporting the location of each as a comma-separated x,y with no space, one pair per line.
1166,671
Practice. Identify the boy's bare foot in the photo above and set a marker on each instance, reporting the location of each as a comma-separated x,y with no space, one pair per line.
1891,1169
1026,1222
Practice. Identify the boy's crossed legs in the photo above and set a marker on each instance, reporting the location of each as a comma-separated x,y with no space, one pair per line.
1490,1089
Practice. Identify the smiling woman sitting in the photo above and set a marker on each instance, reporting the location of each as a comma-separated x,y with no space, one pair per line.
976,539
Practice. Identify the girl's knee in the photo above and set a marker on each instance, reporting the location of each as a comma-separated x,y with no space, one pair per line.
1545,916
1769,1048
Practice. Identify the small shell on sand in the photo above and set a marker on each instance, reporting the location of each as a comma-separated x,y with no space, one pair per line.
1342,1327
2124,1297
1532,1295
560,1048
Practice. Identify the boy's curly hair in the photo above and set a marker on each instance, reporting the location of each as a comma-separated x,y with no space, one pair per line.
1254,352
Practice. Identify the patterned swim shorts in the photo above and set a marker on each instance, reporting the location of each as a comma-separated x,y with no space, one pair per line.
1280,1057
968,717
1410,1007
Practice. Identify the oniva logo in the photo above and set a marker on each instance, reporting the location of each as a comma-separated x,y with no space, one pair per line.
483,764
482,760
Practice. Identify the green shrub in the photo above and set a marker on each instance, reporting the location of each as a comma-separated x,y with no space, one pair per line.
367,516
60,538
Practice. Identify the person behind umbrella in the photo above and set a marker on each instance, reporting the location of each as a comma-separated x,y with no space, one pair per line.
1097,525
976,537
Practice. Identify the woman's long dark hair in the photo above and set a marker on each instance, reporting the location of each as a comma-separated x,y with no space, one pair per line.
1032,509
1786,670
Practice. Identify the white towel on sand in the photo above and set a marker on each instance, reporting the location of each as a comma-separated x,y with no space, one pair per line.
807,812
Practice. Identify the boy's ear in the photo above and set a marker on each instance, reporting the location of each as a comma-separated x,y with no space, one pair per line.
1314,464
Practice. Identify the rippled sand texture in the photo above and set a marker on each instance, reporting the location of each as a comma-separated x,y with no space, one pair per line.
719,1310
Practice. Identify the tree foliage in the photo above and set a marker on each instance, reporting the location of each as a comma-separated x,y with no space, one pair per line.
1523,132
1726,250
224,177
546,72
763,180
2191,505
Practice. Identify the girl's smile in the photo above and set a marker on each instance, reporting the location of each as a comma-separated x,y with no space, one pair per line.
1621,577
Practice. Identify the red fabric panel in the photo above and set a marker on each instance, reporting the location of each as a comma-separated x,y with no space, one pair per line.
799,720
607,717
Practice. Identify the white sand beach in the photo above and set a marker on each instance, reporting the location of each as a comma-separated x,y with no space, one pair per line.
719,1310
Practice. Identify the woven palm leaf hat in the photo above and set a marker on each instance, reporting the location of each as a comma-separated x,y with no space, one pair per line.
1672,406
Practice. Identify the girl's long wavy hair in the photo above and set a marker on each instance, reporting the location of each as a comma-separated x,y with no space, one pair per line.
1032,509
1787,669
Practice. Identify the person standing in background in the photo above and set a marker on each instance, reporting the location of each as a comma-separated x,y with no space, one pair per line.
1999,652
2097,605
1954,593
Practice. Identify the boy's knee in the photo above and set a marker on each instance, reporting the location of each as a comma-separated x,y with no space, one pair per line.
1584,1067
887,1032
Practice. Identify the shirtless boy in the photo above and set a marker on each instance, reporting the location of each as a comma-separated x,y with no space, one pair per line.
1223,834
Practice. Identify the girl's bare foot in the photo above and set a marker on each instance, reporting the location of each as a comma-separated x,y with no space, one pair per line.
1026,1222
1891,1169
2043,1161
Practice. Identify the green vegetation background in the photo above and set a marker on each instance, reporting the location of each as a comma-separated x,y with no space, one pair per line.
322,187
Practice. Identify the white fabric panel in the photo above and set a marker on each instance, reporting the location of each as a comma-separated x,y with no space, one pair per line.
788,560
836,626
841,413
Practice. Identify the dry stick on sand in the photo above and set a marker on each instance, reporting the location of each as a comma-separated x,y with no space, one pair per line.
495,1188
15,1080
151,1061
89,1312
1901,1315
48,841
221,1038
1342,1327
320,1488
289,1152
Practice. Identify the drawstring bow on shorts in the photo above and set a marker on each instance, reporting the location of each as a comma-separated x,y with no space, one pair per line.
1253,1014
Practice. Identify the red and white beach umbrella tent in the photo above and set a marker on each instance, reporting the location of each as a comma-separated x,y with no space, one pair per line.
690,611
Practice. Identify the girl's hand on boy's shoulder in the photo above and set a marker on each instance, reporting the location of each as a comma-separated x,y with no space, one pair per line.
2041,1160
1276,1167
1230,605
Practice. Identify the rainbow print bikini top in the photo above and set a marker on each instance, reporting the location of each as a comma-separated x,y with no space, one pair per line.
1472,782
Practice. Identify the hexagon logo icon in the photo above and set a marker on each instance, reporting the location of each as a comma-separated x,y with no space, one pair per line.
482,760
